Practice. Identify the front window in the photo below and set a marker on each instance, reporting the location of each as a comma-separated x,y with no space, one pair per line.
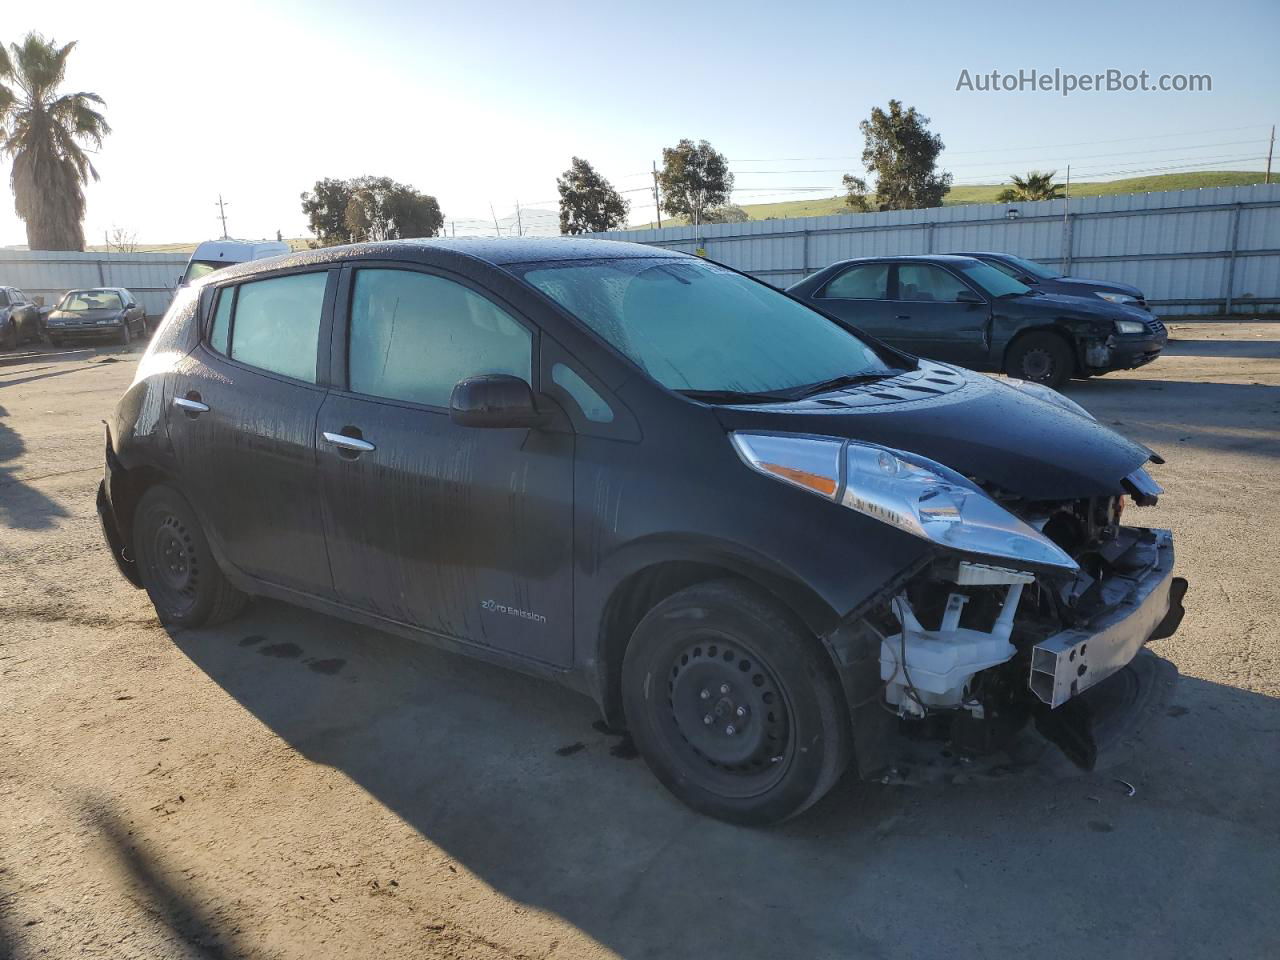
925,283
202,268
697,327
415,335
992,280
82,301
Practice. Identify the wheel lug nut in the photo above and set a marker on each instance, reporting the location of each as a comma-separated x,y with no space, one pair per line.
741,711
705,695
708,719
731,729
724,688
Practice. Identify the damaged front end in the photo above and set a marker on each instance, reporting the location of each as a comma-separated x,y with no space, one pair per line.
971,652
1023,606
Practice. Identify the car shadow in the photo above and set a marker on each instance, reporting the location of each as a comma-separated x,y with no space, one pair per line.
1254,349
22,506
514,778
1228,417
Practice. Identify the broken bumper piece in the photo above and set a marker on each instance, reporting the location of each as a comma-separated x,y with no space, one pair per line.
1072,661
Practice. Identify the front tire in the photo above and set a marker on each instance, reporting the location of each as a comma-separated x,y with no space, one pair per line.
1041,358
9,340
734,705
125,336
176,565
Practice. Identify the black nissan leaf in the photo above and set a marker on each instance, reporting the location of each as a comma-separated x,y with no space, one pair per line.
769,548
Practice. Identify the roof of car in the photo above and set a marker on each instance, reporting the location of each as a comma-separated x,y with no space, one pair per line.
908,257
984,253
97,290
499,251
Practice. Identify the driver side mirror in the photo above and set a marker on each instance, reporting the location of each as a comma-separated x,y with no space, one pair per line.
493,400
968,296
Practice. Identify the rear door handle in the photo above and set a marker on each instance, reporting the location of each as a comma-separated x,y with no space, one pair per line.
903,316
190,406
354,444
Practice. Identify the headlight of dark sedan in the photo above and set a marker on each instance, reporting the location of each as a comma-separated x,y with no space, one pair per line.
1130,326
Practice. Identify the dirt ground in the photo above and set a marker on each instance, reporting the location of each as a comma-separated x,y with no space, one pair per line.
289,786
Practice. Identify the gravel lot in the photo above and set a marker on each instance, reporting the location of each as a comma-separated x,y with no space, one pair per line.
291,786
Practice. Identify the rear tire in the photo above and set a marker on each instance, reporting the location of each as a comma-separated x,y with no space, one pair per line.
176,565
55,342
1041,358
734,705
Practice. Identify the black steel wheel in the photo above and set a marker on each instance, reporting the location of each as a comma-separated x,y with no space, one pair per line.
734,706
176,565
1041,358
9,336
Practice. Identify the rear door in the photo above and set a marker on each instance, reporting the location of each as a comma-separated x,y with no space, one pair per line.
932,321
463,532
242,419
859,295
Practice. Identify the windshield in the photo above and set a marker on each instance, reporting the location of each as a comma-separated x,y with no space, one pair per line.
202,268
1032,269
992,280
81,300
695,326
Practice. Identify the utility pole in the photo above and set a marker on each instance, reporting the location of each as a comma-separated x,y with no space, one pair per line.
1270,150
519,221
453,228
496,232
222,215
1066,224
657,196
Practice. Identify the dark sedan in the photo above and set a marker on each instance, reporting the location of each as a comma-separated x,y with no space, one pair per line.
19,318
964,311
1048,280
100,313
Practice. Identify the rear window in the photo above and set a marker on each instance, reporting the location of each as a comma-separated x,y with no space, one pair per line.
273,324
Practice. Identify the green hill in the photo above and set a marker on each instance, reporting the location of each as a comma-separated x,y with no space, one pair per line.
987,192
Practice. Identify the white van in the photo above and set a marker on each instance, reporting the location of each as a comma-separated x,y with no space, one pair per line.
213,254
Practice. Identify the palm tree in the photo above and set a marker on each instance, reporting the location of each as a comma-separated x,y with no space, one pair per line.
48,136
1034,186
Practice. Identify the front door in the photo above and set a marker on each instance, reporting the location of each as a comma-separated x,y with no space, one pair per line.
242,418
933,321
464,532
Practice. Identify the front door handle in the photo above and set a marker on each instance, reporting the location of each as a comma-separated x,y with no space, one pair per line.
192,407
344,442
903,316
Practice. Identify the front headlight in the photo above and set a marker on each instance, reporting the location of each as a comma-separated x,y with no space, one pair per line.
1116,297
912,493
1130,326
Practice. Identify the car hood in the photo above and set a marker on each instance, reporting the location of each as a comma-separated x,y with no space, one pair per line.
1080,287
84,316
972,423
1063,305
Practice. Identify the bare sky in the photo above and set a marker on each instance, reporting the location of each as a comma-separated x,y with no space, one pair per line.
486,103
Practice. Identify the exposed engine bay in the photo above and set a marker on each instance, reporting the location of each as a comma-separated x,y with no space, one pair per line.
971,651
